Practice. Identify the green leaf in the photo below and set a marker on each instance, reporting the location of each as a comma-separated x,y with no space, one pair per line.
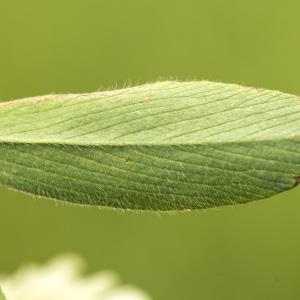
161,146
2,297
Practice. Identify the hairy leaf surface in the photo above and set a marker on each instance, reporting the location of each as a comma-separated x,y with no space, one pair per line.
161,146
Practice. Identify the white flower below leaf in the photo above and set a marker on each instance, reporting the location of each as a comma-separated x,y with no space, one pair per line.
61,279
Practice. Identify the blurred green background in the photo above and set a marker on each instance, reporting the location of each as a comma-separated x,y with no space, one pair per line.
246,252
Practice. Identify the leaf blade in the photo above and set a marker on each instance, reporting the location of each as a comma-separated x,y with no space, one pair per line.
163,146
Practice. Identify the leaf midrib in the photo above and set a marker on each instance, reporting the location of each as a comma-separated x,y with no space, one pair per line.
155,144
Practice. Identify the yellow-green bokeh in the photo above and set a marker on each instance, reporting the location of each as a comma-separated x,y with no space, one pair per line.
246,252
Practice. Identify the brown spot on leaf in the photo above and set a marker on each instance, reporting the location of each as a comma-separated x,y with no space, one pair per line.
297,180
